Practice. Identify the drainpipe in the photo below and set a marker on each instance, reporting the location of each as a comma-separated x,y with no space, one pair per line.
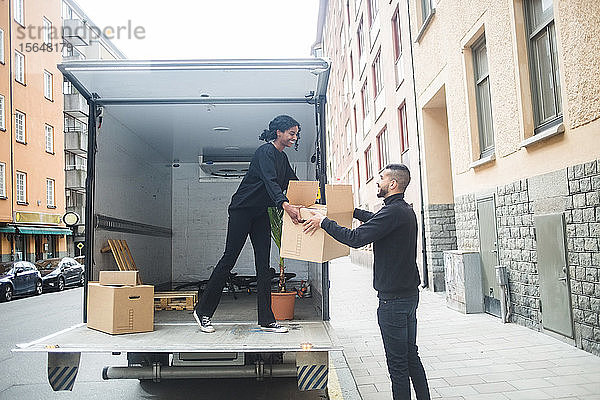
12,147
425,282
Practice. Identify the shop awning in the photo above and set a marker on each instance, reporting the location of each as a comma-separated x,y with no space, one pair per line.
7,229
34,230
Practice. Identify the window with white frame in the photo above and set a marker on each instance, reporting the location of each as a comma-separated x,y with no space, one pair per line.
383,148
377,76
483,97
364,95
48,85
361,40
19,13
543,63
2,113
397,41
368,163
403,128
49,131
426,7
19,67
20,127
47,31
67,87
2,180
348,137
373,10
1,46
21,186
50,192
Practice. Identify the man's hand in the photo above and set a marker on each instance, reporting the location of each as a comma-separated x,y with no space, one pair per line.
293,211
313,224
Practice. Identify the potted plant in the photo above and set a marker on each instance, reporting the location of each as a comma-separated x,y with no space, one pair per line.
282,301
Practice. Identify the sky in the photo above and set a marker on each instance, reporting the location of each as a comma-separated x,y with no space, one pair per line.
194,29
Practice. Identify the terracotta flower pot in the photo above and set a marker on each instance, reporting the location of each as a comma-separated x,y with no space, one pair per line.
282,305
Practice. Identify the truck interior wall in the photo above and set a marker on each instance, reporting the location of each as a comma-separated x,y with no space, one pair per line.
133,183
200,226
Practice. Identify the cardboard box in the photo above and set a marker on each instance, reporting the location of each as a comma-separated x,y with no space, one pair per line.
120,309
320,247
119,278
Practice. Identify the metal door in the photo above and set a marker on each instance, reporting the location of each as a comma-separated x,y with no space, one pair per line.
555,293
488,249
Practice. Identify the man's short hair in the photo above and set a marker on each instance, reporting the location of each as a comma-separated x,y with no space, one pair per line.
400,173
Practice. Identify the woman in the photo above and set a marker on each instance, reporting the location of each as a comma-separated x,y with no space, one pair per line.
263,186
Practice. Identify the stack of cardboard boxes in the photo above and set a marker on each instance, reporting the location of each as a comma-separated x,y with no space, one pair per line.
116,304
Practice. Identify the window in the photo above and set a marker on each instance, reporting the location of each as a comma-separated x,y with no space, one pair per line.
48,85
377,77
355,126
21,187
361,40
351,66
543,68
67,87
358,173
426,7
1,46
348,136
397,36
67,11
19,67
50,193
3,180
368,164
47,31
348,12
364,95
403,128
346,88
20,127
2,113
383,148
342,40
483,98
49,138
18,4
373,9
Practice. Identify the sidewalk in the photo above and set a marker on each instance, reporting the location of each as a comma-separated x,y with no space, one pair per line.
467,357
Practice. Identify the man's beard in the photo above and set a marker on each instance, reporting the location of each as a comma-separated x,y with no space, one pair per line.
382,192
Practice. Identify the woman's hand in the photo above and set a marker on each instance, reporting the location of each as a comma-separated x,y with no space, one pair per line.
293,211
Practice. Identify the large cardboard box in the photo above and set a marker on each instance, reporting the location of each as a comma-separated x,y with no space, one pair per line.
120,309
319,247
119,278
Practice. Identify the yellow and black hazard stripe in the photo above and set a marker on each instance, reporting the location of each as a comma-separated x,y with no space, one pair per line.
312,377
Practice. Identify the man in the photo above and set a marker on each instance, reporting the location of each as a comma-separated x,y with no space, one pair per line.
393,232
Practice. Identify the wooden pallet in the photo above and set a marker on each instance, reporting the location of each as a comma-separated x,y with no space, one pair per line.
168,300
175,300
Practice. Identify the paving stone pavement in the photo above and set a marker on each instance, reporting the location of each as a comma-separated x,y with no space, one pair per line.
467,357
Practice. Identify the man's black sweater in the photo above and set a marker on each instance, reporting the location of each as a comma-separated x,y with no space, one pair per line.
393,231
267,178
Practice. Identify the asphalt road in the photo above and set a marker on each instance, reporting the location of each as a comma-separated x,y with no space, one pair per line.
24,375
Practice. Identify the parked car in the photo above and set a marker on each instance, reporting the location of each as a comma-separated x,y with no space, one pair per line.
17,278
58,273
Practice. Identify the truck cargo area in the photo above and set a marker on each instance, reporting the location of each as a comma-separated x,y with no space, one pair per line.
168,144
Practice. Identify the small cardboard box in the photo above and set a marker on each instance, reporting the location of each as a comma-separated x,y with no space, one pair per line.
119,278
120,309
319,247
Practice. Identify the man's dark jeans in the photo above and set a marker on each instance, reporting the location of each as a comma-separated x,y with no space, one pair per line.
398,324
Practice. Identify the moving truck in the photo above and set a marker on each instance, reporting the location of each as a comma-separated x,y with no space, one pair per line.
167,145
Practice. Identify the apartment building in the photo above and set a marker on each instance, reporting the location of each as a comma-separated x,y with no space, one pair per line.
31,143
371,115
509,91
84,43
507,120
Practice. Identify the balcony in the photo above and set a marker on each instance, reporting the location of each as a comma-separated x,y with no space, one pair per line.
76,106
76,142
76,56
93,51
75,178
76,32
